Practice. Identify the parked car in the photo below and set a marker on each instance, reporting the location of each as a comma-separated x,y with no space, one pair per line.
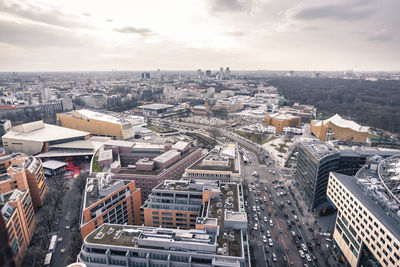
293,233
308,258
270,243
268,233
274,257
264,238
255,227
304,247
302,255
271,223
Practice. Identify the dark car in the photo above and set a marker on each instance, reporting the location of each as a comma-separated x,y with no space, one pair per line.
266,249
299,236
269,262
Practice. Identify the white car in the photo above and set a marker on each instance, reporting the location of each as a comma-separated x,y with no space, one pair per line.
293,233
270,243
256,218
268,233
304,247
255,227
265,219
271,223
274,257
308,257
254,209
301,253
264,238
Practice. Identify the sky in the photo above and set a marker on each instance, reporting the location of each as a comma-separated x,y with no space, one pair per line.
97,35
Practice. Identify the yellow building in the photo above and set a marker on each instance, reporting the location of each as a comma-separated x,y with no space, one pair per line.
280,120
337,128
97,124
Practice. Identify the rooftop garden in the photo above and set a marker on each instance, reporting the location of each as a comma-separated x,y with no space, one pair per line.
160,129
95,166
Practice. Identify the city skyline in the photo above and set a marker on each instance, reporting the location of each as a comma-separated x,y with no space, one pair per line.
183,35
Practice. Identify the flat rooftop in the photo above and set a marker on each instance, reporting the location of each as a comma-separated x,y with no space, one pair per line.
153,238
46,132
199,166
92,190
156,106
319,149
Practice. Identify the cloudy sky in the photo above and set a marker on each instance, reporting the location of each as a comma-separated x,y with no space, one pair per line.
73,35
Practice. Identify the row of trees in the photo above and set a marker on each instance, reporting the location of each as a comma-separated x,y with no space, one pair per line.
375,104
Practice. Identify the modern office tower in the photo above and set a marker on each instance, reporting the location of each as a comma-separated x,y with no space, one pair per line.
17,211
27,170
6,256
314,162
367,229
221,73
145,75
281,120
35,137
227,73
107,200
199,74
222,164
146,164
219,238
208,74
96,123
337,128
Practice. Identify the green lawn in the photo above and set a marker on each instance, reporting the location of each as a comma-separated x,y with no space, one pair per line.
256,138
95,166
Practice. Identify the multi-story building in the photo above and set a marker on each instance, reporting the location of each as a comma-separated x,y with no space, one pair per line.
17,210
96,123
314,162
6,256
316,159
156,110
28,171
177,203
146,164
337,128
218,238
35,137
109,201
367,228
221,164
281,120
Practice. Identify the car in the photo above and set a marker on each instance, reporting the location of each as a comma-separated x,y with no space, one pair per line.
268,233
269,262
270,243
289,202
262,207
67,227
280,230
245,203
256,218
299,236
266,249
254,209
254,173
265,199
258,193
305,265
304,247
295,218
257,185
264,238
293,233
273,172
308,258
298,224
271,223
255,227
274,257
60,239
262,228
250,189
265,219
302,255
297,243
62,251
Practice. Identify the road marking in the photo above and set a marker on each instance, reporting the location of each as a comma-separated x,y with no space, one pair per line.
283,241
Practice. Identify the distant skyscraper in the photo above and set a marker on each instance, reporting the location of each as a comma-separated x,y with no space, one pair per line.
227,73
199,73
145,75
158,75
221,73
208,73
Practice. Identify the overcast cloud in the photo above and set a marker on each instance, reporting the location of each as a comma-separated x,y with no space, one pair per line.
57,35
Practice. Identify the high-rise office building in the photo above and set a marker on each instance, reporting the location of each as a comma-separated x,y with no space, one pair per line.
227,73
367,229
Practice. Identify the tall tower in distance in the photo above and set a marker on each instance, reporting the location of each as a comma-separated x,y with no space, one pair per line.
227,73
221,73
